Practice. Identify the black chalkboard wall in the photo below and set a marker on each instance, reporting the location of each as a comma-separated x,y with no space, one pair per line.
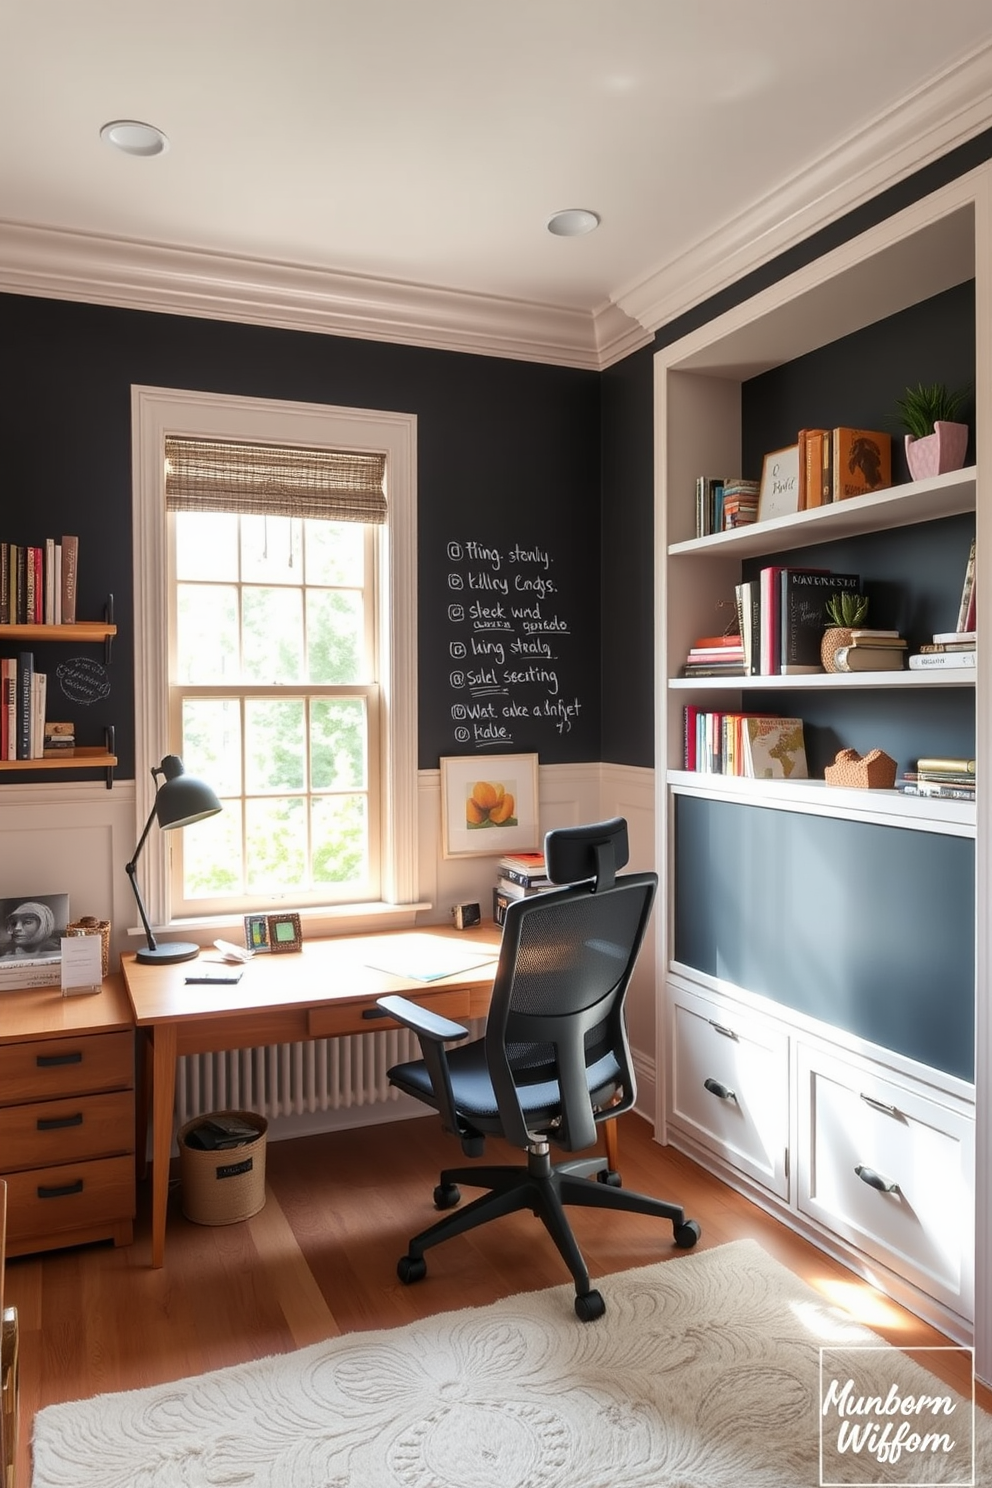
508,464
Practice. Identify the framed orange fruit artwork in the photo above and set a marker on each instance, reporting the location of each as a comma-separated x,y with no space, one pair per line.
489,805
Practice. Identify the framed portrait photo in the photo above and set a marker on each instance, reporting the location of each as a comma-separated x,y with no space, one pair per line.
489,805
779,494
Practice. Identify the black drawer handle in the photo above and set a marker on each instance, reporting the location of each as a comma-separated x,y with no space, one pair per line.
715,1088
875,1180
49,1061
56,1123
63,1190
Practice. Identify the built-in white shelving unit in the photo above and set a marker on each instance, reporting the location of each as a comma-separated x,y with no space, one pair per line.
764,1096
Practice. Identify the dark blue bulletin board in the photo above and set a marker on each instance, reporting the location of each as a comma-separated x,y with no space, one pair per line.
869,928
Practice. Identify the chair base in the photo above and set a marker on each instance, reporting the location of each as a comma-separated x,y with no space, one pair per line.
545,1189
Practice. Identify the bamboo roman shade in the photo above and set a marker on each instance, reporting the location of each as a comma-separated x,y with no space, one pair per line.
206,475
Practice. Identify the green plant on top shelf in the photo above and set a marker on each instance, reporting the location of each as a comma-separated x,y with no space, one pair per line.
922,407
847,609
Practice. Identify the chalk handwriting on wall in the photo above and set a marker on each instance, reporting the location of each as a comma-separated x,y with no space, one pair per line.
83,680
507,677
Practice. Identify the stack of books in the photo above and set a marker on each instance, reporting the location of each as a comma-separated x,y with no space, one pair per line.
518,876
948,649
740,503
725,502
716,656
871,651
952,779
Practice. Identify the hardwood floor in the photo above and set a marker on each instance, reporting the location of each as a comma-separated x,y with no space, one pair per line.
320,1259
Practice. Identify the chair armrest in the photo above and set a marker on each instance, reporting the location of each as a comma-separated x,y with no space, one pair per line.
422,1022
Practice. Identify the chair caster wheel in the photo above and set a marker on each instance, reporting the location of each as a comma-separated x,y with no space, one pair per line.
446,1195
686,1234
410,1269
589,1307
610,1177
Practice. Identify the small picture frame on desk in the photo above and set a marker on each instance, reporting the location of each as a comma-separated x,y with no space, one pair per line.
285,933
257,933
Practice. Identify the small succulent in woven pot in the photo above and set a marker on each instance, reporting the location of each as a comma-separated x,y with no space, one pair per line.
845,610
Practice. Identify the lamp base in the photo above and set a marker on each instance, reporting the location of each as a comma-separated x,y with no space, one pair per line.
165,955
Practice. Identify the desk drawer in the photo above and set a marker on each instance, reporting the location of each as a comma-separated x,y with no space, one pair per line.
74,1196
331,1020
50,1132
44,1069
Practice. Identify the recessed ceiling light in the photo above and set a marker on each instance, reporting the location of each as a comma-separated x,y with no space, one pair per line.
134,138
572,223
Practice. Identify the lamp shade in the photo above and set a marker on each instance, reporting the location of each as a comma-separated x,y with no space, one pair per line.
182,799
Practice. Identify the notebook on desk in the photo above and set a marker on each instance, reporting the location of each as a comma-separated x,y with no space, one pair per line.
425,958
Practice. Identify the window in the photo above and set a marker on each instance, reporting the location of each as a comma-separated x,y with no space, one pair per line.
282,665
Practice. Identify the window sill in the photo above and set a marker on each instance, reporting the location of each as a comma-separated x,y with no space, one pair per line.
339,919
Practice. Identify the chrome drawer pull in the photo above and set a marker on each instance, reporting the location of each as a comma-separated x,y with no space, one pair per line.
727,1032
878,1105
62,1191
56,1123
875,1180
715,1088
49,1061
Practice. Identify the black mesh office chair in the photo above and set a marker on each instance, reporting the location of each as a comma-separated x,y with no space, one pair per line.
554,1061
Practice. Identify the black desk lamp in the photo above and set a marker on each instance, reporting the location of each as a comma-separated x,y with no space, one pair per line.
179,801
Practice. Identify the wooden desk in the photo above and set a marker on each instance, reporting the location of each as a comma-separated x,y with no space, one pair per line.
328,989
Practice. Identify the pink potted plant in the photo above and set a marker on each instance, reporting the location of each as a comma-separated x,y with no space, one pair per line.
936,442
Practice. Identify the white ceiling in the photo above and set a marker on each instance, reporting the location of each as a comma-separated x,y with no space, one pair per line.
388,166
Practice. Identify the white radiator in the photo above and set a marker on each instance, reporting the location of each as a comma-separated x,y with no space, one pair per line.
293,1079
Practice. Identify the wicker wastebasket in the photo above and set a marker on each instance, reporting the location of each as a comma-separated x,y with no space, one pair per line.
227,1184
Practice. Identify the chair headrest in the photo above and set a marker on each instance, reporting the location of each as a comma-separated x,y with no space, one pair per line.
597,851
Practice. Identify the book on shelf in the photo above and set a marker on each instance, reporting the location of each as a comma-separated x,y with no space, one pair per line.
39,699
709,504
811,467
868,659
748,597
935,791
955,637
25,692
922,661
861,636
706,643
8,708
959,764
861,461
948,646
803,598
774,748
966,606
70,575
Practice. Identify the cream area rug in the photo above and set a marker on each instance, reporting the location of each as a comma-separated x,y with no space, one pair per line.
706,1372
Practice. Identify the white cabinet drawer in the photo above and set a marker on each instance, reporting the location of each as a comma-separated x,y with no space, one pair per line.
889,1168
730,1086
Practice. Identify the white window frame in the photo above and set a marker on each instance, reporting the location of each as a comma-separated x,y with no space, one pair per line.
156,412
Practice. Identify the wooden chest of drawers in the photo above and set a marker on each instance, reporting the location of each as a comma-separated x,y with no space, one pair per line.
67,1123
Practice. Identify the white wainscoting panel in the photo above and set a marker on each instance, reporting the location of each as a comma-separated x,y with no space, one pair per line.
71,839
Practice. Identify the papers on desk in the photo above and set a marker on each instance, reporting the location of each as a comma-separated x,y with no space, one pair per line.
428,958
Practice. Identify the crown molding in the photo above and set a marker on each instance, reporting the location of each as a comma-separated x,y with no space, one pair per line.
140,276
947,111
